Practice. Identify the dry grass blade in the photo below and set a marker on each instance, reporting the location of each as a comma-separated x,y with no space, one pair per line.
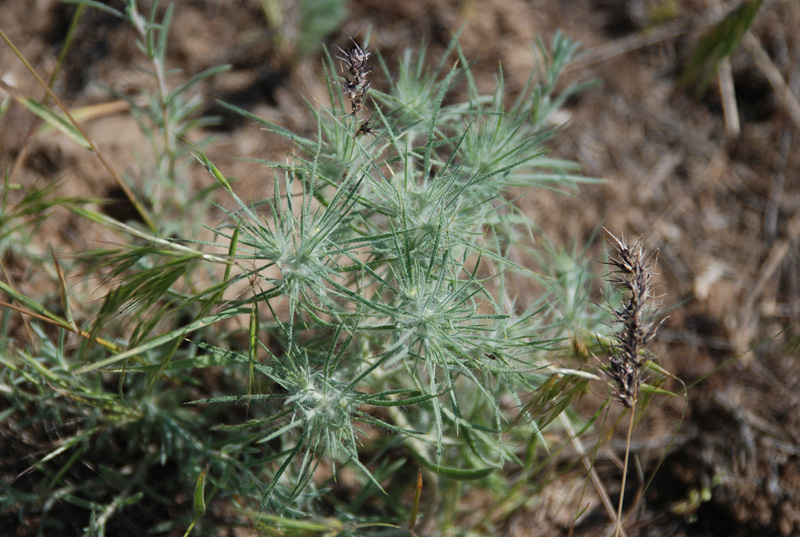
596,481
773,76
642,39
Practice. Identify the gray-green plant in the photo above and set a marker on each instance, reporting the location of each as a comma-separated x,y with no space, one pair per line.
358,320
379,261
165,115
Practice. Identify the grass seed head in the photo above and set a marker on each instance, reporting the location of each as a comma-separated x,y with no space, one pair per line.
357,84
632,270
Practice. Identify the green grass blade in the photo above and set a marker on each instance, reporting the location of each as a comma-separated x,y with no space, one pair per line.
55,120
162,339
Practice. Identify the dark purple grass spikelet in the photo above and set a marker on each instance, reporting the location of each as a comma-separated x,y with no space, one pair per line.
631,272
357,84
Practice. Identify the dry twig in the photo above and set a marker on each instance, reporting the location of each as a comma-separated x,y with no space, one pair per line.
773,75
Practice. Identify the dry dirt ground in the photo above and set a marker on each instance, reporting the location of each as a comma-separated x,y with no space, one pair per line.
723,209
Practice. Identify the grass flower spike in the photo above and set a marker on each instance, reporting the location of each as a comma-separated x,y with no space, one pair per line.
357,88
631,273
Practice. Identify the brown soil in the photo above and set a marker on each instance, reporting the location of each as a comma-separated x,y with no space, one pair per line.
723,210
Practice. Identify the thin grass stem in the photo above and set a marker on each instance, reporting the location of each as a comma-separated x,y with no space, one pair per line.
625,470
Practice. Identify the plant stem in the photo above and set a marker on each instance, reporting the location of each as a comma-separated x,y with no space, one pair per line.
128,193
598,483
625,470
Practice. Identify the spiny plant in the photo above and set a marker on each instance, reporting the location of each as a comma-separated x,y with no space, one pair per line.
379,333
385,327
